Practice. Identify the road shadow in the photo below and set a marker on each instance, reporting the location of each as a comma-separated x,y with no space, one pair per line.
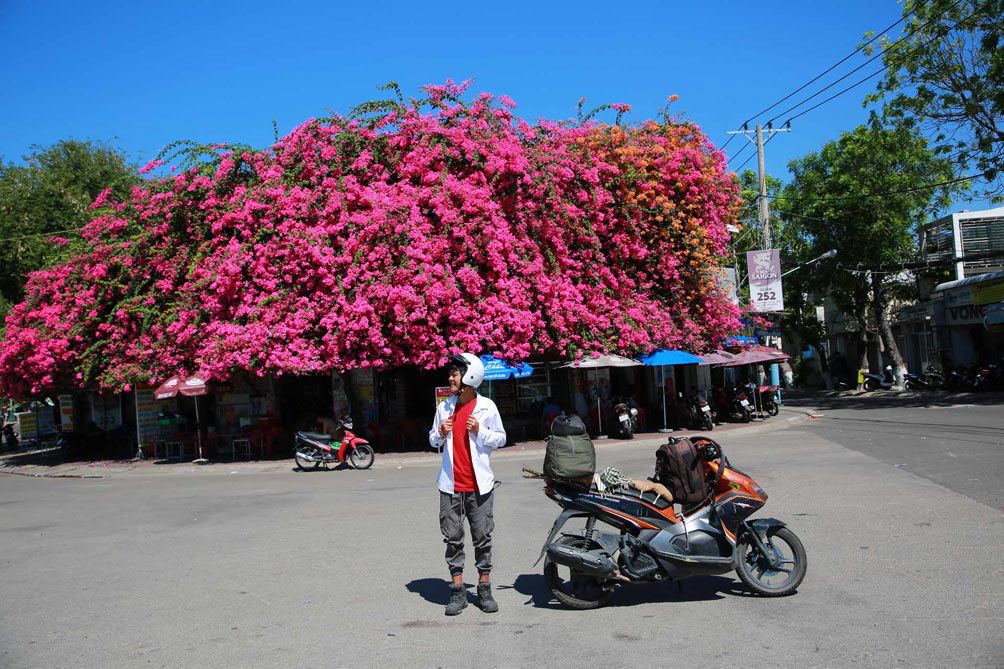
884,399
435,590
696,589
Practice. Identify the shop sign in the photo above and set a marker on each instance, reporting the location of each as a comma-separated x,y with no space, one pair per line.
66,412
959,297
442,394
968,314
988,293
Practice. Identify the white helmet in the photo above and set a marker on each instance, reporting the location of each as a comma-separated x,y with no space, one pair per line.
472,370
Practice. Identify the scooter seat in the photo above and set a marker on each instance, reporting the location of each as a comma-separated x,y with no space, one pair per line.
658,501
315,436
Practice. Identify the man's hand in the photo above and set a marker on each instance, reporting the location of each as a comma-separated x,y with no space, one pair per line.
473,425
445,427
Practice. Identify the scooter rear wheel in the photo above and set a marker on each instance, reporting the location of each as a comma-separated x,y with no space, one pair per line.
756,572
772,409
574,589
304,464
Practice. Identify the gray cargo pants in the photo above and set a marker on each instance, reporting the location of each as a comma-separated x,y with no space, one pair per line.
478,510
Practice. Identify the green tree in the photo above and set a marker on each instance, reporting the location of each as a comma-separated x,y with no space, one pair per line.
947,77
50,195
864,195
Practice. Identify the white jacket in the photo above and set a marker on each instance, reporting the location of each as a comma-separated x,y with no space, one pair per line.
491,435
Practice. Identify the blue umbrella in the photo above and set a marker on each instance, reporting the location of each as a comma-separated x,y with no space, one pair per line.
666,357
500,370
662,358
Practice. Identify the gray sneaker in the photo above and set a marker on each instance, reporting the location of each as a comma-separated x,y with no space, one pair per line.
485,599
458,600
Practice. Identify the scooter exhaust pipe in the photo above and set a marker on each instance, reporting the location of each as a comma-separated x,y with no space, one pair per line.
308,458
588,562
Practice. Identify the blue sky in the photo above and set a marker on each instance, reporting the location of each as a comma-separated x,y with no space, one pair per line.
143,74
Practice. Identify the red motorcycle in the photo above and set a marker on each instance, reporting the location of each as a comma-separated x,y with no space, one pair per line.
313,449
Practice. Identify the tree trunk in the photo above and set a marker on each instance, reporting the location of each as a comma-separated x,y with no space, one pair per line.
882,309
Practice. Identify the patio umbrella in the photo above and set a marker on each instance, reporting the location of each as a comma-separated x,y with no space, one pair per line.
662,359
717,358
192,386
598,361
757,355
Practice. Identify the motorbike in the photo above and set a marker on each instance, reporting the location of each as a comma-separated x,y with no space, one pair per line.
650,542
699,413
932,379
627,418
961,379
878,381
10,441
313,449
740,409
768,400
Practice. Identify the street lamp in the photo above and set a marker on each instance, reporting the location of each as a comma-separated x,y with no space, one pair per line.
832,253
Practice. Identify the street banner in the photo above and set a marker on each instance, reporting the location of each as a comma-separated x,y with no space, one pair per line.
727,282
765,280
66,413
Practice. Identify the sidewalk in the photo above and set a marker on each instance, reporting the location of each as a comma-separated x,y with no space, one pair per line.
49,463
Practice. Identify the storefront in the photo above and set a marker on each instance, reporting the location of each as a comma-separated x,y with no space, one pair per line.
960,308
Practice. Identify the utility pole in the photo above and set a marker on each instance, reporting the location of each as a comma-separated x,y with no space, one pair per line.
757,139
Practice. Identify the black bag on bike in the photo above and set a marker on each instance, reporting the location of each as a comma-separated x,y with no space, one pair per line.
570,452
679,467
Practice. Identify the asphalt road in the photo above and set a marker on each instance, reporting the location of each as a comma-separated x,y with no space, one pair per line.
345,568
956,440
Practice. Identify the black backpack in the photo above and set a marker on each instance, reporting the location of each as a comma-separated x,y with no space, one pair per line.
679,467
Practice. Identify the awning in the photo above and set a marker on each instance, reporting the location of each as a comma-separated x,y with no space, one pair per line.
969,281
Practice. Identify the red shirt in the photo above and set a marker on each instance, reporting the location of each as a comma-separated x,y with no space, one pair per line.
463,468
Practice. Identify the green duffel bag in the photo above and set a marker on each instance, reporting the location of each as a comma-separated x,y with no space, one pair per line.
569,456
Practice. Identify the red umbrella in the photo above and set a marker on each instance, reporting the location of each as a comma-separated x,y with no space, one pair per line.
193,386
717,358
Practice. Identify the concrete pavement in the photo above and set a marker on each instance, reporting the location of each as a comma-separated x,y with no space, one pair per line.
345,568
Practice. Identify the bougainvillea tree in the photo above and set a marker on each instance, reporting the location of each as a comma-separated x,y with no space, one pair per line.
391,238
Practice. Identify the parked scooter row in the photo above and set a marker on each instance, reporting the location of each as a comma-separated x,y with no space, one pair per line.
964,378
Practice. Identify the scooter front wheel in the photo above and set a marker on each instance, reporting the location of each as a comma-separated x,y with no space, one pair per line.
772,409
361,457
572,588
789,563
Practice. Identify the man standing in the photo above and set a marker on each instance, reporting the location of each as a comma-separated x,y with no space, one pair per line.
467,427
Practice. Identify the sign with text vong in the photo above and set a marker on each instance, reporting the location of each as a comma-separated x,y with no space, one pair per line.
765,280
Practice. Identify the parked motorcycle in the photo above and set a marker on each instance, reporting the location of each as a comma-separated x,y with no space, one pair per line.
627,418
699,413
961,379
768,400
740,410
313,449
932,379
879,381
9,437
652,543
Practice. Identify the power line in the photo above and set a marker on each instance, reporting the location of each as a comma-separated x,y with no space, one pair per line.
821,74
828,70
881,194
862,65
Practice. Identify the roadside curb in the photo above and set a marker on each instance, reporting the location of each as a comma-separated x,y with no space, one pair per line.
421,458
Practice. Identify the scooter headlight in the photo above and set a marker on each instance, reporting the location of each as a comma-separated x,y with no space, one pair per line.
634,412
